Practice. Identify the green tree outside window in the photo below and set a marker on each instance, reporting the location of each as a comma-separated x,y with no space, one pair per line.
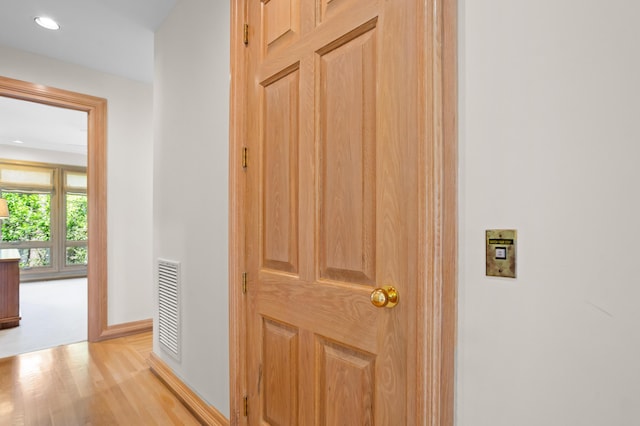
76,228
29,220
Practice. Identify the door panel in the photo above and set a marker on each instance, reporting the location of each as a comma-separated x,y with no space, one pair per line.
280,360
347,122
280,180
280,23
332,8
345,384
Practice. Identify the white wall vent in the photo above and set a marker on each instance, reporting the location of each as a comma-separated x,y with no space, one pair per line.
169,307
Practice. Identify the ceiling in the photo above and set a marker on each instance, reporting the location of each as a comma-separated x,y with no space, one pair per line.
30,125
111,36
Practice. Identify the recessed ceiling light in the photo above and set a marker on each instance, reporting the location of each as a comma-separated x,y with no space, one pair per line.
16,141
47,23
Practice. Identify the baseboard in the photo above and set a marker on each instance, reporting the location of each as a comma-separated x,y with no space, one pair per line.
126,329
205,413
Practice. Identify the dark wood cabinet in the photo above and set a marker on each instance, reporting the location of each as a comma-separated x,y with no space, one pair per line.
9,289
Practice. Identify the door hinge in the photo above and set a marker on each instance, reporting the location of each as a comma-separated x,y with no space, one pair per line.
246,34
245,157
246,406
244,283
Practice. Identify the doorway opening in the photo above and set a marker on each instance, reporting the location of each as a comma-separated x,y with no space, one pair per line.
43,182
96,188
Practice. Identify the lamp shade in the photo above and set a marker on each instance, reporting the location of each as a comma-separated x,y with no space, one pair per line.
4,209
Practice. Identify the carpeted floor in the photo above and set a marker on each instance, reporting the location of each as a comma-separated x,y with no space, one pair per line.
53,313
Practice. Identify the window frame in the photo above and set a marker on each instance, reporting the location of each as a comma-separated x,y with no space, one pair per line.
57,243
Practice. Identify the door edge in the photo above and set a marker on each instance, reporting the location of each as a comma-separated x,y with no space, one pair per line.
237,194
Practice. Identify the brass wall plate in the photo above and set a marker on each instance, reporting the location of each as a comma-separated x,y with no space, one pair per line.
501,252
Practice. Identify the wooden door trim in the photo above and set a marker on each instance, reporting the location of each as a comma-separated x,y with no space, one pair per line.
437,290
436,319
237,182
96,109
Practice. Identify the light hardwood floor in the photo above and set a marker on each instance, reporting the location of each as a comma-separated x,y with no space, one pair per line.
106,383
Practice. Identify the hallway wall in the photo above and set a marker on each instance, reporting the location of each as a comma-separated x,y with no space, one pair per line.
191,121
549,145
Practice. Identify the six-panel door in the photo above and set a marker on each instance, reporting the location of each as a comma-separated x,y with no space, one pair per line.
331,212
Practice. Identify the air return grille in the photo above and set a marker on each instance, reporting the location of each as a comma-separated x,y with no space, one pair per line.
169,307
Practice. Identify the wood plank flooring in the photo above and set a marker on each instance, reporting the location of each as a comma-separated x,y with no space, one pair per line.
106,383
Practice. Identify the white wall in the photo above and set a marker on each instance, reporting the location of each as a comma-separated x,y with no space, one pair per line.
129,170
549,145
191,186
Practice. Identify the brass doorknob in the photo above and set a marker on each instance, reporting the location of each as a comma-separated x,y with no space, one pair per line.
386,296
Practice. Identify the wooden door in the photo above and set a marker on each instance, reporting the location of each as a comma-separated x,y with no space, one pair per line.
343,157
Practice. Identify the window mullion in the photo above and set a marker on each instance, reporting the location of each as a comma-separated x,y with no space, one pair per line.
57,218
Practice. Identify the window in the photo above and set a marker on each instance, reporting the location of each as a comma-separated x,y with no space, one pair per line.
48,218
75,218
